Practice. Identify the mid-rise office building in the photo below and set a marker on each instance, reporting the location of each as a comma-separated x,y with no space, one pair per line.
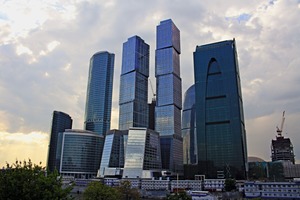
168,90
189,127
133,100
60,122
99,93
113,156
80,153
142,155
221,135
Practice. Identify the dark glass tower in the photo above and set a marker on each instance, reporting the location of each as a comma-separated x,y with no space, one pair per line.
60,122
133,100
189,127
168,90
221,135
99,93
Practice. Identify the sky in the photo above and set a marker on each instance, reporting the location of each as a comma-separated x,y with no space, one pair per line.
45,47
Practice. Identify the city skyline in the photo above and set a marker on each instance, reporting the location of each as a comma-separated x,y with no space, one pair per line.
44,62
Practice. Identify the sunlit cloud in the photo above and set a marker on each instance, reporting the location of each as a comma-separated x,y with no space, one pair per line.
52,45
23,50
20,146
67,67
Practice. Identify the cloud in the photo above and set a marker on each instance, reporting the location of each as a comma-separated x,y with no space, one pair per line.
20,146
45,49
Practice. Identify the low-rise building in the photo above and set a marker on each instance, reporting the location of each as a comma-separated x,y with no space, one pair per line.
272,190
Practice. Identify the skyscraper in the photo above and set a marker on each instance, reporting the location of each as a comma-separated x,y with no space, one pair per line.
282,148
168,90
133,100
221,135
60,122
99,92
189,134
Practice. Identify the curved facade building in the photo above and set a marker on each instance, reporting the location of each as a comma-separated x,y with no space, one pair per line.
189,134
221,135
60,122
80,153
133,100
99,93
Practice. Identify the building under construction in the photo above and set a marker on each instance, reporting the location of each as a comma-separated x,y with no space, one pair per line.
282,148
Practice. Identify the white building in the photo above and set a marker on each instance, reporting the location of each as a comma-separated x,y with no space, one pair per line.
276,190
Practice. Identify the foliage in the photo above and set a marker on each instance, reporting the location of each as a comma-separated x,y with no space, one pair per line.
127,192
99,191
230,185
179,196
25,180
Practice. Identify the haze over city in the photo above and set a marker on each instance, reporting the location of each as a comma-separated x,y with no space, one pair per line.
45,47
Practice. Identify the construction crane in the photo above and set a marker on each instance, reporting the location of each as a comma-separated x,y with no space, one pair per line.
279,130
154,95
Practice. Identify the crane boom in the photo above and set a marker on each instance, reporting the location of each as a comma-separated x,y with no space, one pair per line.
279,130
153,98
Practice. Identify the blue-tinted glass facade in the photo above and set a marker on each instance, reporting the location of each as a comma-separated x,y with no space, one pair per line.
168,89
113,155
60,122
99,93
142,155
189,127
221,136
133,99
172,153
81,153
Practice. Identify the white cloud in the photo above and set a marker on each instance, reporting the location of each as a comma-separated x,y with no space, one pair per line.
56,39
23,50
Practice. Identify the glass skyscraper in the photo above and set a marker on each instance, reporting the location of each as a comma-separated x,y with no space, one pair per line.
60,122
168,90
133,100
221,135
189,134
99,92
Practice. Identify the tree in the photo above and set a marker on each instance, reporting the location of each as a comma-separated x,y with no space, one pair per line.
127,192
25,180
179,196
98,191
230,185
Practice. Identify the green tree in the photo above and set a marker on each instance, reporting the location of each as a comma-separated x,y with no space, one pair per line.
25,180
127,192
230,185
179,196
98,191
